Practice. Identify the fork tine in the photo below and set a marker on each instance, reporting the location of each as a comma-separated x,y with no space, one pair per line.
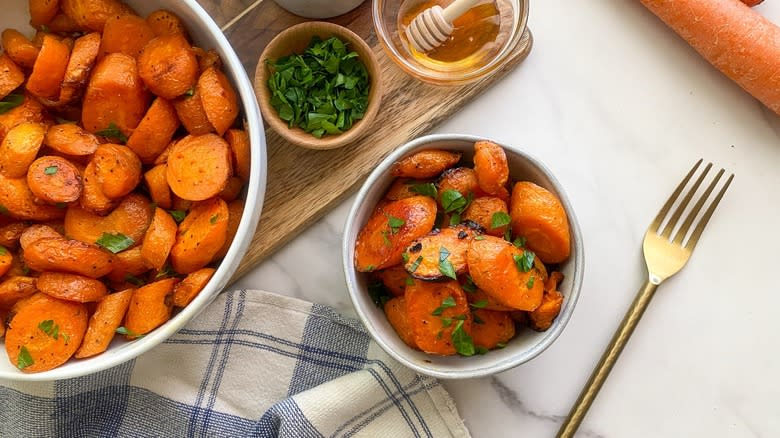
694,239
668,205
667,231
678,239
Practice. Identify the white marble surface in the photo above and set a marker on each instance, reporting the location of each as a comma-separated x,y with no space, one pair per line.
620,108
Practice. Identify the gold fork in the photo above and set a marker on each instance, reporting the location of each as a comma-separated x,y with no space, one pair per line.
665,254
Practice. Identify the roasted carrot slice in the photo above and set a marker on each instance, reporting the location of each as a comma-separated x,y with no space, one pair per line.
543,316
20,147
29,111
11,76
71,139
490,213
538,215
118,169
10,234
482,300
218,98
168,66
438,314
36,232
155,131
461,179
207,59
103,324
494,328
128,264
54,179
189,288
71,287
159,239
60,254
442,253
395,310
92,197
406,188
20,203
235,211
126,34
505,272
395,278
82,60
6,260
165,22
201,235
157,184
241,152
199,166
491,168
19,48
42,11
115,96
192,115
49,69
92,14
389,231
131,218
425,164
44,332
15,288
150,307
232,189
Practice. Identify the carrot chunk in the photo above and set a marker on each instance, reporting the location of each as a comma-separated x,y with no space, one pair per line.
425,164
189,288
150,307
54,180
201,234
538,215
436,313
103,324
199,167
159,239
395,310
439,254
49,69
71,287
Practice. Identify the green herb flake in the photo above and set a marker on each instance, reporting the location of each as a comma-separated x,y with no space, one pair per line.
3,251
499,219
519,241
3,210
395,223
115,242
127,332
452,200
463,343
323,91
445,266
10,102
178,215
166,271
469,285
427,189
415,264
508,234
51,170
477,319
370,268
50,328
445,304
386,238
409,281
480,237
213,219
405,257
454,219
481,304
480,350
24,359
65,338
446,322
379,294
524,262
530,283
501,345
135,281
114,132
190,92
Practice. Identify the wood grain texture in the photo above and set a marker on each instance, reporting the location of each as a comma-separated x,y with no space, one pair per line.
303,184
222,11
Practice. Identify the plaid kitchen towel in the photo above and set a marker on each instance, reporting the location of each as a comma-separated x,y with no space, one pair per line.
252,364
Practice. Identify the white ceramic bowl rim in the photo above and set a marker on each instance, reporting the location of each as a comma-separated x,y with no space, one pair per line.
549,336
119,351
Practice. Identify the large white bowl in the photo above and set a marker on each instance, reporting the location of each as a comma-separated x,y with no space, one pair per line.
206,34
527,344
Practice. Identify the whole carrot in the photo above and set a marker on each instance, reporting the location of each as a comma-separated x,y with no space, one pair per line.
738,41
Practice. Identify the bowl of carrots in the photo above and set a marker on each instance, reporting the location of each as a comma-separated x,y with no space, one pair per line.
132,161
463,257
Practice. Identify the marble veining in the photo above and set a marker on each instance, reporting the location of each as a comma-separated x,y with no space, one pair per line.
619,108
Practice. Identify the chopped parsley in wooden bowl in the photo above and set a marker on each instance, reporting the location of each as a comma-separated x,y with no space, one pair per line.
318,85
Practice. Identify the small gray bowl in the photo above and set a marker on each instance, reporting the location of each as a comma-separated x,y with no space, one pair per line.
527,344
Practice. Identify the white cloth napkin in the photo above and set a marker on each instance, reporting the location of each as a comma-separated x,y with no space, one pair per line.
252,364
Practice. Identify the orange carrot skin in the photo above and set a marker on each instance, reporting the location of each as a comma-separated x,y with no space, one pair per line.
104,322
738,41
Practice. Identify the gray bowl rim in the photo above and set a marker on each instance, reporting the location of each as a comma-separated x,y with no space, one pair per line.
522,357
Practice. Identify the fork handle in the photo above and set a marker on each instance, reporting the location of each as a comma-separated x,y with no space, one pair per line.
608,359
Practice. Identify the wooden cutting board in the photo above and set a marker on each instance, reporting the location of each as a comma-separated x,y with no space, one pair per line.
304,184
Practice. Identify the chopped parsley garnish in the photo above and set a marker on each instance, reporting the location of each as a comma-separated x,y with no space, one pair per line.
395,223
405,257
445,266
499,219
3,251
469,285
166,271
127,332
386,239
445,304
416,264
178,215
452,200
481,304
501,345
409,281
480,237
132,279
115,242
114,132
51,170
24,360
323,91
10,102
530,283
524,262
446,322
463,343
481,350
477,319
213,219
190,92
50,328
519,241
370,268
379,293
454,219
427,189
508,234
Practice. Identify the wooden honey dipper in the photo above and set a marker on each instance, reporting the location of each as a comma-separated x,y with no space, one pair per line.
433,26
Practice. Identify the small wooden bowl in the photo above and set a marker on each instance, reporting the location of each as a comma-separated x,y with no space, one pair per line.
295,40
